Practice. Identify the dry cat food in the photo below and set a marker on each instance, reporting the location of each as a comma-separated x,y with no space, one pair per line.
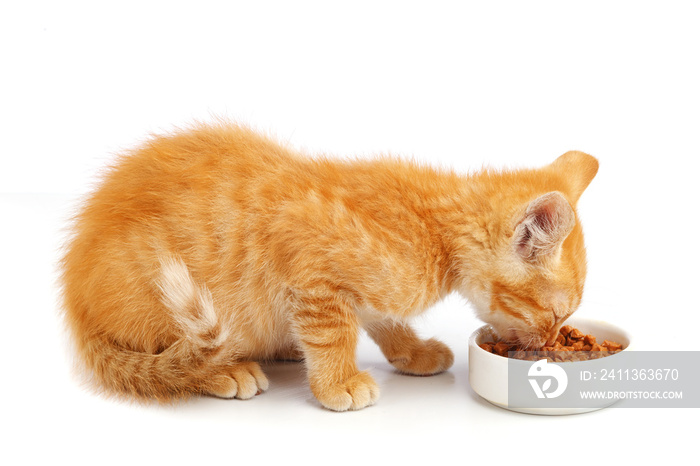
571,345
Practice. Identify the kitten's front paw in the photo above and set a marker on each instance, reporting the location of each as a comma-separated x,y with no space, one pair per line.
429,358
355,393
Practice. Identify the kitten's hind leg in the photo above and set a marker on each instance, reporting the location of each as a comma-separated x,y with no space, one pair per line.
327,329
407,352
205,357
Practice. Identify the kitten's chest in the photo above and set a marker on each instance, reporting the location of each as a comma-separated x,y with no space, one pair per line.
399,302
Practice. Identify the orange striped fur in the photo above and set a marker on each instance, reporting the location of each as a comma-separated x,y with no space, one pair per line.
207,251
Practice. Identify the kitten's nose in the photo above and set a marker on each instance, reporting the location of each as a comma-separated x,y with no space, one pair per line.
552,336
554,331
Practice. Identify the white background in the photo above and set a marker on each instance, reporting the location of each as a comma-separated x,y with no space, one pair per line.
455,84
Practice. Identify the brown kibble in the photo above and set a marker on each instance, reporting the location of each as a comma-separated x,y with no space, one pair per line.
611,345
571,345
501,348
487,347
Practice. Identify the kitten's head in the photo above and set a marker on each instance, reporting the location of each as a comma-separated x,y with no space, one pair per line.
531,276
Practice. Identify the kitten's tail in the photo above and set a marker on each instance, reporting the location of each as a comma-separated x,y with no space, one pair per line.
183,369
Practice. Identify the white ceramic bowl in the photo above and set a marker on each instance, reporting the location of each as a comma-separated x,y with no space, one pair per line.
488,372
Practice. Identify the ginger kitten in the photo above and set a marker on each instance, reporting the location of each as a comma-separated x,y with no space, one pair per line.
204,252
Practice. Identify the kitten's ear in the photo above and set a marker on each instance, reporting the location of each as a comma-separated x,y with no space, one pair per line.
543,227
578,169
